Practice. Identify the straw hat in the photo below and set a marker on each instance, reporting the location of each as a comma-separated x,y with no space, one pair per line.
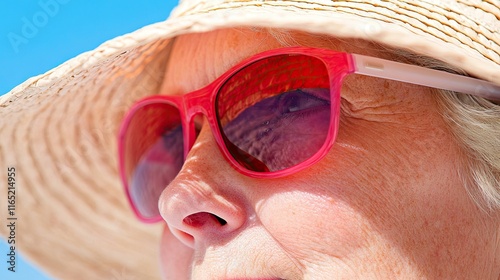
59,129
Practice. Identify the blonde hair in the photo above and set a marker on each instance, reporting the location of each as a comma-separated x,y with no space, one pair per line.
474,122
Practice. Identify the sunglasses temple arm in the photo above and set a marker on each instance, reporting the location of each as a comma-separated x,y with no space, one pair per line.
381,68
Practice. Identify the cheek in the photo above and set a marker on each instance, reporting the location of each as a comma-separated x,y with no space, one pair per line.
175,257
373,199
312,224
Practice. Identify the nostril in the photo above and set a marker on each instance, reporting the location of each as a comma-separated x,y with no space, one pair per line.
203,218
221,221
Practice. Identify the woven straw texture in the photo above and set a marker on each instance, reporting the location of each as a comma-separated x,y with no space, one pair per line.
59,129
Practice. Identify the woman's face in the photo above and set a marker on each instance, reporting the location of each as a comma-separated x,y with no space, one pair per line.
386,202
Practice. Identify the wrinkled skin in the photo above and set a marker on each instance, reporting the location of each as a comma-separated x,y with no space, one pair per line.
385,203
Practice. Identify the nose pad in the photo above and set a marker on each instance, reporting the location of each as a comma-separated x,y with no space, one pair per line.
202,203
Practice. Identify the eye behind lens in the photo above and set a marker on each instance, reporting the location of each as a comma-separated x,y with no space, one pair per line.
266,109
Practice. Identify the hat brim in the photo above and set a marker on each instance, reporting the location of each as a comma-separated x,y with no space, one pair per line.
59,129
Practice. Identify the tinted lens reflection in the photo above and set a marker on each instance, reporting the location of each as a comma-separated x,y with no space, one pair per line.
275,113
155,154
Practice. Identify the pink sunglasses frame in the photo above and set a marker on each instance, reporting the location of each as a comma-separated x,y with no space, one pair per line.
338,65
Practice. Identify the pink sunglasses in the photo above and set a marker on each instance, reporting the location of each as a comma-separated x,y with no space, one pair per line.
272,115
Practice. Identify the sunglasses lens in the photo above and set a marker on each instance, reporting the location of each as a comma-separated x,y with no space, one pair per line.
153,154
275,113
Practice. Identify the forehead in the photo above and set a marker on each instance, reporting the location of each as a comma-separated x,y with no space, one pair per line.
198,59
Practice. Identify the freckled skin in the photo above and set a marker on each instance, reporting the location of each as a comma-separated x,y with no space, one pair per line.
385,203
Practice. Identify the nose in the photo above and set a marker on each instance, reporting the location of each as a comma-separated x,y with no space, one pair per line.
202,203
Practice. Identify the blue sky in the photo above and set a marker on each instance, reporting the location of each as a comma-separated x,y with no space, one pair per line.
38,35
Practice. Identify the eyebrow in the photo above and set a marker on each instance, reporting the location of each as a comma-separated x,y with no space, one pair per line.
413,74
